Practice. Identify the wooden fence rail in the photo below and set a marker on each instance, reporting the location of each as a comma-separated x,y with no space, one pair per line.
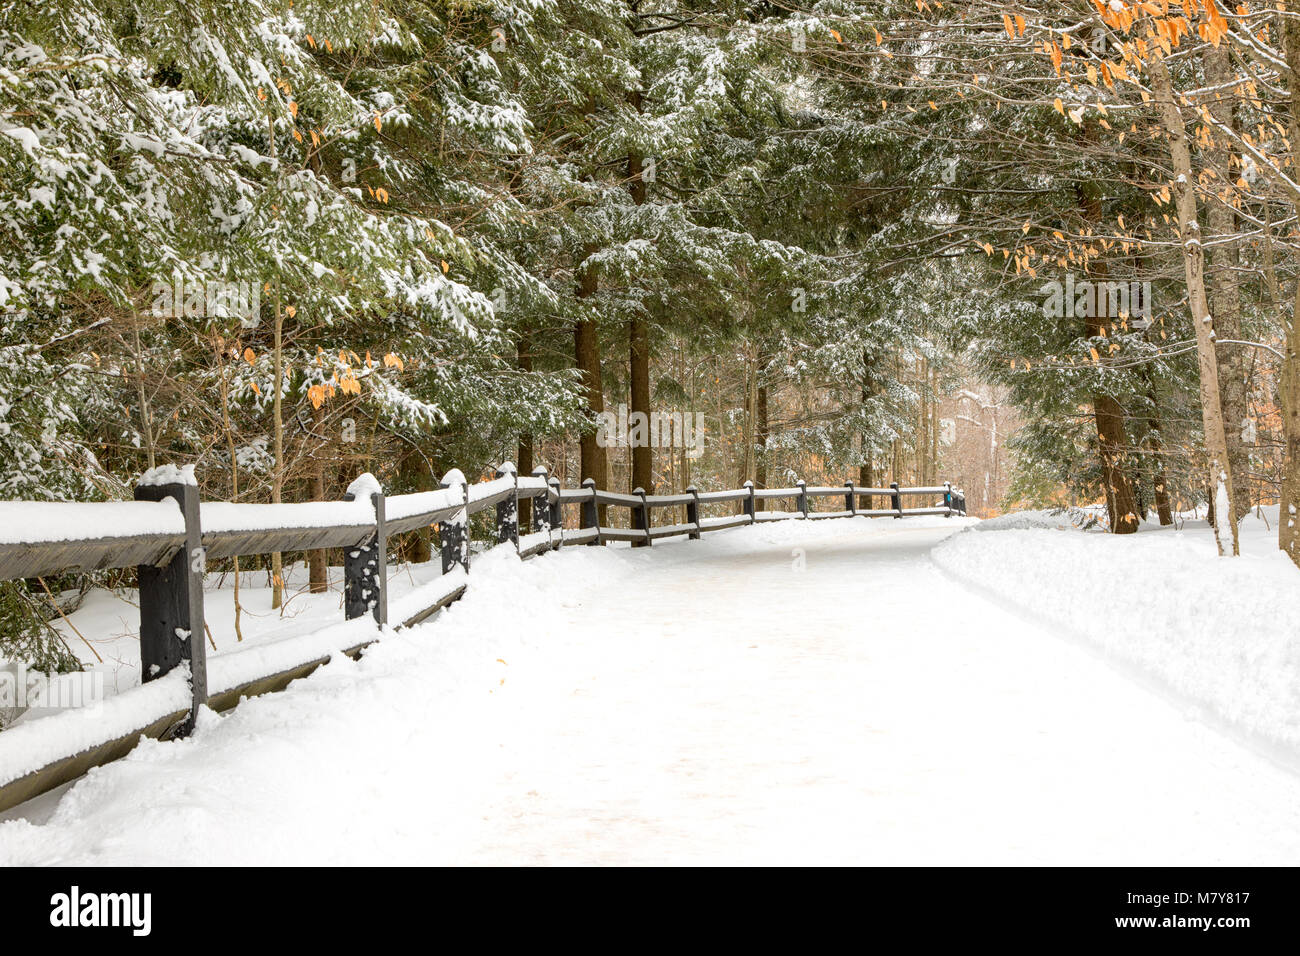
169,536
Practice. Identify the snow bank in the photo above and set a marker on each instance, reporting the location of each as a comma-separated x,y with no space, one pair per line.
1058,519
29,746
1222,632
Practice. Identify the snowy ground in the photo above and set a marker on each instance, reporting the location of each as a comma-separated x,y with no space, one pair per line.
790,693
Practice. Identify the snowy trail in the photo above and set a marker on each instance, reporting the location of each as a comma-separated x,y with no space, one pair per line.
698,702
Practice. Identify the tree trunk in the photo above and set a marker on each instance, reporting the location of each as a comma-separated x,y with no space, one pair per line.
1220,469
524,464
639,341
1224,293
1159,482
594,461
1121,503
277,411
1288,524
318,560
762,429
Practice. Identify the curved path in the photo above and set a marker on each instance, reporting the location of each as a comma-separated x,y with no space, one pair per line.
783,694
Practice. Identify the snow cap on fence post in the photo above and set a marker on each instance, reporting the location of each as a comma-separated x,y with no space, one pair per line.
850,499
590,514
557,517
803,496
365,565
641,519
508,507
897,497
693,511
541,503
453,532
171,596
748,503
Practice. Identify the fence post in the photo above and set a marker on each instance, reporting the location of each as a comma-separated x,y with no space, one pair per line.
508,508
365,566
171,598
947,498
557,516
748,503
693,512
961,502
590,515
850,499
803,496
897,498
541,505
641,520
453,532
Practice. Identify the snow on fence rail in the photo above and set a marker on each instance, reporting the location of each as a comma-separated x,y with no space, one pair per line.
168,536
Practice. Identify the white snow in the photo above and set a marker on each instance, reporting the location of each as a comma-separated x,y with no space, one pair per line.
168,475
422,502
26,522
800,692
224,516
1222,633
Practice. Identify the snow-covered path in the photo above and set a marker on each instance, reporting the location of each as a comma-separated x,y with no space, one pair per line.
702,702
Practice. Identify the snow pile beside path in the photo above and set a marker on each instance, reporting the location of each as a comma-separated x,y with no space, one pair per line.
1223,632
1060,519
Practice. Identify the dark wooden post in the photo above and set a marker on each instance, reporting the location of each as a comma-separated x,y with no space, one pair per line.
641,519
803,496
947,498
453,532
590,514
850,499
365,570
508,508
961,502
171,601
748,502
897,498
693,512
541,506
557,516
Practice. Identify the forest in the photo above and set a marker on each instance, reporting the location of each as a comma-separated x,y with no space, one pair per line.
291,241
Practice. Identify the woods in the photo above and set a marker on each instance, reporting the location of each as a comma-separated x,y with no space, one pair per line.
289,241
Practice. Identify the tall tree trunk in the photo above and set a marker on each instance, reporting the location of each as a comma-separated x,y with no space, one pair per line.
1159,481
277,425
638,334
1121,503
1220,469
524,464
277,412
1288,524
866,471
318,560
594,461
762,430
1223,291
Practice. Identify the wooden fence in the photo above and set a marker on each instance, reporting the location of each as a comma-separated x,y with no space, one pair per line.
169,537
